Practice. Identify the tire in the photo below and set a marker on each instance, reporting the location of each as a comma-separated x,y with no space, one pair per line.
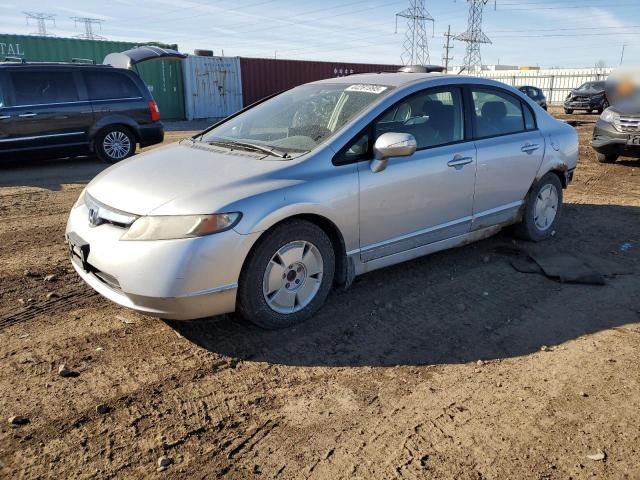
297,244
605,105
602,158
114,144
568,111
537,204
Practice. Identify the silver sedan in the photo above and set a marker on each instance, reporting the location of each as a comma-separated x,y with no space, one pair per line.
266,211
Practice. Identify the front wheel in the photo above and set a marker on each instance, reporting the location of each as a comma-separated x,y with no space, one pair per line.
542,209
114,144
288,276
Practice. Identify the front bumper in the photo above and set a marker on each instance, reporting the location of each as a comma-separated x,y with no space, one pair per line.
590,104
609,141
175,279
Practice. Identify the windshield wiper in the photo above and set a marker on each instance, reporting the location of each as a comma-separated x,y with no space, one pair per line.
249,146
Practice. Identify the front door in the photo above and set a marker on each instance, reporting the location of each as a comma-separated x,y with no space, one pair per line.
428,196
510,151
46,110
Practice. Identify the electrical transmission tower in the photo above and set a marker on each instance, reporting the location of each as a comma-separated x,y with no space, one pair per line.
447,47
41,20
88,27
415,50
474,36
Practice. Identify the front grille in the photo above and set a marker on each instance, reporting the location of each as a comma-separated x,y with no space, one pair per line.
580,99
628,124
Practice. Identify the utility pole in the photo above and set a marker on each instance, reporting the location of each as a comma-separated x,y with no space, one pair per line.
88,27
622,54
415,50
447,46
474,36
41,20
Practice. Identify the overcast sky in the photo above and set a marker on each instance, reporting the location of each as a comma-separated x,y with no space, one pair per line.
567,33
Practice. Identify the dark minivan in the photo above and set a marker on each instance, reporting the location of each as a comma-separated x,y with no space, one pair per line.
68,109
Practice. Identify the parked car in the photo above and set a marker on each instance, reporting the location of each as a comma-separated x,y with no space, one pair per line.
68,109
536,94
617,132
267,210
589,96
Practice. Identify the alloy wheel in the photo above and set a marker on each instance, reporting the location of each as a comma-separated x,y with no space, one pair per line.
293,277
116,144
546,207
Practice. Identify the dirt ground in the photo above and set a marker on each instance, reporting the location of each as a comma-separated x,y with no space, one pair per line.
449,366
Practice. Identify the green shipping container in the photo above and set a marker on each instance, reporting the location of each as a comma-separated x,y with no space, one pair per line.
163,77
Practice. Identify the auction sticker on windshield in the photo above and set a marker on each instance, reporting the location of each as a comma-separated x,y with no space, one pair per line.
377,89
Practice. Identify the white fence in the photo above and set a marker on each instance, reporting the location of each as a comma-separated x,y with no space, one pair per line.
556,84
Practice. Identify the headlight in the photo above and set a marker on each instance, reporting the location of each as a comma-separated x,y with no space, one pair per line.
172,227
609,116
80,200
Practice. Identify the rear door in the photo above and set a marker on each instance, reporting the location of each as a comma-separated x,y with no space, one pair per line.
46,109
510,149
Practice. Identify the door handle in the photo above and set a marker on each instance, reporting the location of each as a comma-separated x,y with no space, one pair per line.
4,117
530,147
27,115
458,162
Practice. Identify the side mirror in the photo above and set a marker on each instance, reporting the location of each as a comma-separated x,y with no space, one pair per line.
391,145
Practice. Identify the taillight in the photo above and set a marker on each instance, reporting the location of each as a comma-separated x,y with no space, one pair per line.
153,109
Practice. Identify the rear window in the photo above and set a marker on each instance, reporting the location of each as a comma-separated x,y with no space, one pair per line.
110,85
38,88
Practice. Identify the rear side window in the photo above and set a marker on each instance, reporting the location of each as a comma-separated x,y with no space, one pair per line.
497,113
41,88
110,85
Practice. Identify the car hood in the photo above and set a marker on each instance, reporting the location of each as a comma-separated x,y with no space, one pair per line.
185,178
588,93
627,107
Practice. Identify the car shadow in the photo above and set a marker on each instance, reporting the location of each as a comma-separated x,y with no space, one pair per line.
49,173
452,307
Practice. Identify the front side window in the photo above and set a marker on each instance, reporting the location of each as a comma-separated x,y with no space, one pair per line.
110,85
496,113
298,120
41,88
433,117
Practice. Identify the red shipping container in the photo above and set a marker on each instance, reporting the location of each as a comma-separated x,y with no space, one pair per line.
262,77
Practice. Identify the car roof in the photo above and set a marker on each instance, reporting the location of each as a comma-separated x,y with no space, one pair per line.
51,64
395,79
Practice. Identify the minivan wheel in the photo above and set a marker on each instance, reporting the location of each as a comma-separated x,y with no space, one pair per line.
288,276
542,209
114,144
602,158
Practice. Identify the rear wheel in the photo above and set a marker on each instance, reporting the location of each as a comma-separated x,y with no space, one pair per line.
114,144
542,209
568,111
610,158
288,276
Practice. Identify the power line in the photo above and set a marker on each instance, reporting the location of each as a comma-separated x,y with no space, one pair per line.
88,28
41,20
